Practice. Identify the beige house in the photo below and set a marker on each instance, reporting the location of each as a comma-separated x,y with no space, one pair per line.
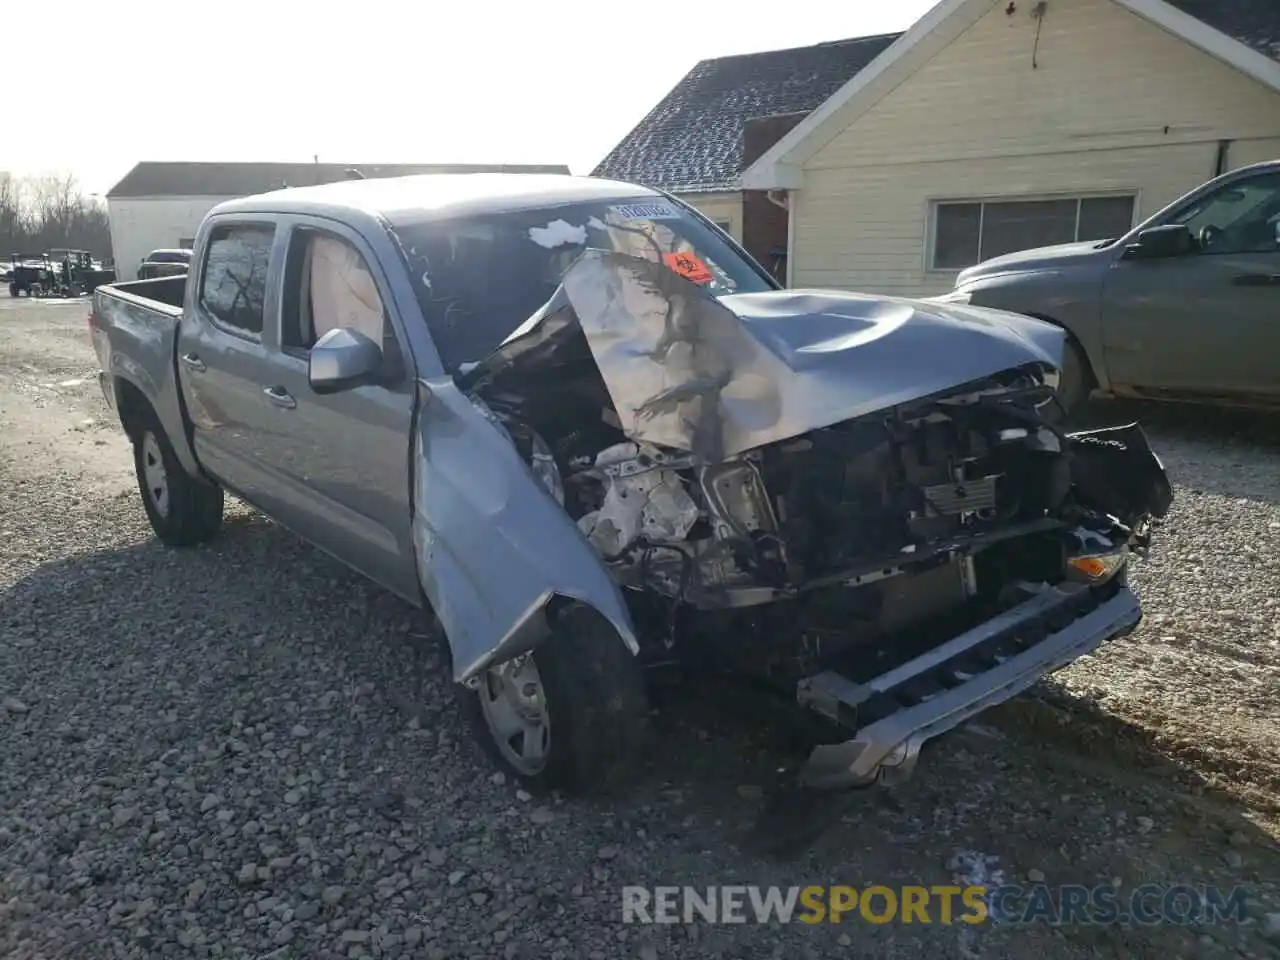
723,114
997,125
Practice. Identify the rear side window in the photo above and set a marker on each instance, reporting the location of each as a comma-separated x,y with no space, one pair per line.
233,287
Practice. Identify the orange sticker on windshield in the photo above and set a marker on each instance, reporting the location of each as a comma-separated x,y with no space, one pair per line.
689,266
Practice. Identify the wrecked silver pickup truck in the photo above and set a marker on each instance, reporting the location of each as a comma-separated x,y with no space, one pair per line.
577,423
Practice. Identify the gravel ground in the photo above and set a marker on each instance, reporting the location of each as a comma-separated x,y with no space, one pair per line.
244,750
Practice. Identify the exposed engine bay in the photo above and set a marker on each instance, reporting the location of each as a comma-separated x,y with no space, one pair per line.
841,506
838,502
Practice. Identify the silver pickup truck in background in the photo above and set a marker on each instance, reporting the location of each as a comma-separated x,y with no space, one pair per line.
1183,307
573,420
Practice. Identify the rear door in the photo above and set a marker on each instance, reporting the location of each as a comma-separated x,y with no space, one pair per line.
222,360
340,462
1207,322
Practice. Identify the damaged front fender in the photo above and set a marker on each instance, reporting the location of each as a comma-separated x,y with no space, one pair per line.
492,545
1115,470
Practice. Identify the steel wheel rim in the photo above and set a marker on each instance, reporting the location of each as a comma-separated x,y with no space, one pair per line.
153,473
514,703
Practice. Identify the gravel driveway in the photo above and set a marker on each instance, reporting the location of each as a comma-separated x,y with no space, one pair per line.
244,750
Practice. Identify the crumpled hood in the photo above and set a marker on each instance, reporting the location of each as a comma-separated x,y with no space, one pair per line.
717,377
1040,258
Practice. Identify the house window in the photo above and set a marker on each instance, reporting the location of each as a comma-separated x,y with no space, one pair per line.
965,233
725,225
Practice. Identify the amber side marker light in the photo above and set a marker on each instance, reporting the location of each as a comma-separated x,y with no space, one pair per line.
1098,566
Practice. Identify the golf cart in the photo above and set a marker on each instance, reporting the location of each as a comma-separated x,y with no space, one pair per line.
32,274
78,274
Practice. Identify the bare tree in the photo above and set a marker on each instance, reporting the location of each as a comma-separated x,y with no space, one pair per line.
13,219
42,213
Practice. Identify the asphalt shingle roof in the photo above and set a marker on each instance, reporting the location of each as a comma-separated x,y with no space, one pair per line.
1255,23
692,140
155,179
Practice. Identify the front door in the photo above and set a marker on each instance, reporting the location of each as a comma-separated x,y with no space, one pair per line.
341,460
1208,321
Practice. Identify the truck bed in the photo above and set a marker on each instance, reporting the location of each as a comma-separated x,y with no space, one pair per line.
134,326
160,292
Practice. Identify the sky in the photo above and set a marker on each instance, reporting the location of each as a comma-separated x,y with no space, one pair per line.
377,81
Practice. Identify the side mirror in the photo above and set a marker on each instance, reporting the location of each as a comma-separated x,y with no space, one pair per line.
1158,243
343,359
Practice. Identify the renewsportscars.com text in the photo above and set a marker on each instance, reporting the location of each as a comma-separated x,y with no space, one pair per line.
1147,904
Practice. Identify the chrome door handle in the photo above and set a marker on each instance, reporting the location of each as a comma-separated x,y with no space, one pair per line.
280,397
192,362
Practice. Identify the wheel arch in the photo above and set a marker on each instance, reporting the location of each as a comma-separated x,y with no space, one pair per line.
137,391
536,626
1092,366
132,405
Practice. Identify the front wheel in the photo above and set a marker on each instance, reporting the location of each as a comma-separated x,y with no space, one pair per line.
182,509
15,290
570,715
1077,380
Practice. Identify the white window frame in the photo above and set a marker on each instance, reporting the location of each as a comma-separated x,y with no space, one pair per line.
931,233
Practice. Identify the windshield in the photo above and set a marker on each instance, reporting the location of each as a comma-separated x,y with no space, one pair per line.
479,278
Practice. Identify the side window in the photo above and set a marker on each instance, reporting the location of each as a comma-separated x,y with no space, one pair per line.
1242,217
329,286
233,287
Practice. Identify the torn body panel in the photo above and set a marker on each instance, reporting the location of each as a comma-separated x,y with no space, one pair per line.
718,377
493,546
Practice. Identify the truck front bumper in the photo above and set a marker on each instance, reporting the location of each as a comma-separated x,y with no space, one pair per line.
941,688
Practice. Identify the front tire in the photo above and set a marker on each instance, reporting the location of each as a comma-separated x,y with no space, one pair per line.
1077,380
182,509
568,716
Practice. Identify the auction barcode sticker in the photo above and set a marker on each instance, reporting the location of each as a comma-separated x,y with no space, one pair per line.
649,210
